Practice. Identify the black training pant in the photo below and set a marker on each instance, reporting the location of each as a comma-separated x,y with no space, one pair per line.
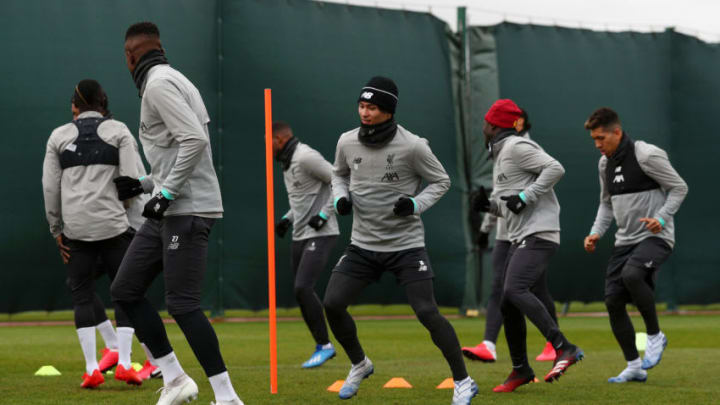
358,268
630,278
526,293
176,246
494,320
309,260
81,271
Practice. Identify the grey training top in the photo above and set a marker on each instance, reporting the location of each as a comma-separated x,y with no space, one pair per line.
627,209
81,202
176,142
521,165
308,183
375,178
490,221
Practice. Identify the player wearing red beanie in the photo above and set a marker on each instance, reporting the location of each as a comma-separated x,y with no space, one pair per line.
524,176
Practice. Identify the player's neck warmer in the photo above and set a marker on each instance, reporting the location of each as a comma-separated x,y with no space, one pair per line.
378,135
286,153
147,61
499,137
622,149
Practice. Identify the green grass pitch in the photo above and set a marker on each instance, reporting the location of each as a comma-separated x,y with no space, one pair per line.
688,373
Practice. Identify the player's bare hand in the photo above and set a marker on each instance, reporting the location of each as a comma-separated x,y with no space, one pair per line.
591,242
652,224
64,250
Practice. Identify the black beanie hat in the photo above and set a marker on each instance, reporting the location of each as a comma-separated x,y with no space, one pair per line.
382,92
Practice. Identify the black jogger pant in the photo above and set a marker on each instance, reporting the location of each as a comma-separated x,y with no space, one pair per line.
630,278
411,269
526,293
309,260
175,246
81,274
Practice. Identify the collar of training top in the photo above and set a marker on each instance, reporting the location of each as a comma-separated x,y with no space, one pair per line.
89,114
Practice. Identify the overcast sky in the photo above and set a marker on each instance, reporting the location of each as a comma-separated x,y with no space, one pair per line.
700,18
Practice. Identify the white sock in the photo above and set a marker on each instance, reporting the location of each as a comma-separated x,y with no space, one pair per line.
490,345
461,382
86,336
327,346
655,336
170,367
222,387
148,354
125,336
108,334
635,364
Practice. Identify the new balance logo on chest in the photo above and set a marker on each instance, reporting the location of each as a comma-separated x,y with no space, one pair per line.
619,178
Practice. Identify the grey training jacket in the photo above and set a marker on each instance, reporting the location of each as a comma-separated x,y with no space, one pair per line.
521,165
490,221
81,202
375,178
176,142
627,209
308,182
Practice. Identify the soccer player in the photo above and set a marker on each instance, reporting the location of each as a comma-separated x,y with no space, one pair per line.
308,181
524,178
174,238
485,351
88,222
377,175
641,190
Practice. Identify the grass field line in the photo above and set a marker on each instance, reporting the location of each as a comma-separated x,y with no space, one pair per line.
243,319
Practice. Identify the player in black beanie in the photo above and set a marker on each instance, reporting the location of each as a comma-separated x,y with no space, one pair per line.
382,92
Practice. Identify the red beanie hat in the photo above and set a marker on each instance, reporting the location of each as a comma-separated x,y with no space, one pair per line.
503,113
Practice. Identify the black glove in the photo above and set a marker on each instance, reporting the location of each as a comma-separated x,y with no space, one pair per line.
318,221
282,227
514,203
482,240
156,206
127,187
481,202
404,207
343,206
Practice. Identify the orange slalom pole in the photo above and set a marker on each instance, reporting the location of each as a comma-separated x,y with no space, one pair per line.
271,240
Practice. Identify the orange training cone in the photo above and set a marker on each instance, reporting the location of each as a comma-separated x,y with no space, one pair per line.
397,382
335,387
447,384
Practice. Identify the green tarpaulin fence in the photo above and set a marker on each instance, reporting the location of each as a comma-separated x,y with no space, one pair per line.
316,56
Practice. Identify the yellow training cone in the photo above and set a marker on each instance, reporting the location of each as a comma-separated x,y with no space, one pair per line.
447,384
397,382
47,371
641,341
136,366
335,387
